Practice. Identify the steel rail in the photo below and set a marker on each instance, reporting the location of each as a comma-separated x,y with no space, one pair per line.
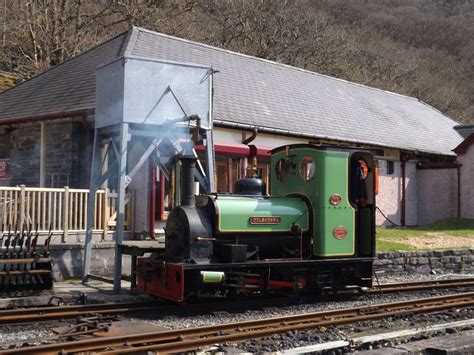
422,285
193,344
192,338
25,315
14,316
423,282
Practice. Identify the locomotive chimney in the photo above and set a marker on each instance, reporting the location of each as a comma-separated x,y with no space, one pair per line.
187,185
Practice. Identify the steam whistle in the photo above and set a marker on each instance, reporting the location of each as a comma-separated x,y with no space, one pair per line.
252,170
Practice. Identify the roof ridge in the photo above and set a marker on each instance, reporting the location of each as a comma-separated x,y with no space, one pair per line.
271,62
131,40
68,60
440,112
465,125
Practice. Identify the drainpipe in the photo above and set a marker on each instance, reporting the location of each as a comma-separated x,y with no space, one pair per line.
152,201
42,160
249,139
459,190
403,201
403,212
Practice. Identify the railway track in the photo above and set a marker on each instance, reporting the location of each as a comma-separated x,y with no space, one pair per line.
39,314
189,339
422,285
29,315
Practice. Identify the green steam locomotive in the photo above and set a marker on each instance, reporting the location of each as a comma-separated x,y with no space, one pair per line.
314,232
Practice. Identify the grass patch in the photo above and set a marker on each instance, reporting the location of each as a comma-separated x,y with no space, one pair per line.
453,233
384,246
456,227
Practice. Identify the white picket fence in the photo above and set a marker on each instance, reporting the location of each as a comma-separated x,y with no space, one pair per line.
63,210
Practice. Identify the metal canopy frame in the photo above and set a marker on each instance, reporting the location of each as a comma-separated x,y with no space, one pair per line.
116,138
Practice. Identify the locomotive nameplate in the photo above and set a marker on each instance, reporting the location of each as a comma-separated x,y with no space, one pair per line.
265,220
259,215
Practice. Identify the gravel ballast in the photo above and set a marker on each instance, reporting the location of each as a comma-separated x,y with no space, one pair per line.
36,332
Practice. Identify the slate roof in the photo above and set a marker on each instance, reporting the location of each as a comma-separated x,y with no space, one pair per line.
67,87
250,91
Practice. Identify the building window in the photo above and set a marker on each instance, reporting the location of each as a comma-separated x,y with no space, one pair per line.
4,146
263,173
222,176
228,171
390,167
4,157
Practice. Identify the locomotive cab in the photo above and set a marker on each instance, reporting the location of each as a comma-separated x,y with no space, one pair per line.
340,184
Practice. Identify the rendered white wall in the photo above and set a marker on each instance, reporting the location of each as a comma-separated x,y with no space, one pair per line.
390,194
467,183
411,212
222,135
437,195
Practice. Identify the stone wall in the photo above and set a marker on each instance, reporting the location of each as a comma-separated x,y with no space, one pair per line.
67,260
66,155
426,262
25,156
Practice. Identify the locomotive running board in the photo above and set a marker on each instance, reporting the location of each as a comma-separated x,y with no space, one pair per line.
277,263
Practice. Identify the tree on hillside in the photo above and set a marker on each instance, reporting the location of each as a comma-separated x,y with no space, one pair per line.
421,48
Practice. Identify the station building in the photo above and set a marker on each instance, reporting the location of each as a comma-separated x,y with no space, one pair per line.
425,159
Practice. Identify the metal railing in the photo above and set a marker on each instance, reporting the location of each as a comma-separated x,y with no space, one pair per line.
64,210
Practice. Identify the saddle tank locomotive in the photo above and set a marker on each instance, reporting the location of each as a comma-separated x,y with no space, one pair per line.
315,231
